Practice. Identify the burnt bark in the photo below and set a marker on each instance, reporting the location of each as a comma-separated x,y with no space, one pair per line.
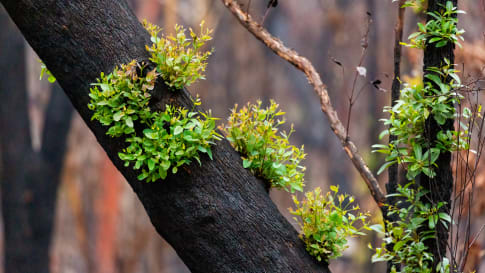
393,182
16,147
393,171
440,187
29,179
218,217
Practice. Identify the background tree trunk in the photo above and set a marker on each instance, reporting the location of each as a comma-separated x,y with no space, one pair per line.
29,178
218,216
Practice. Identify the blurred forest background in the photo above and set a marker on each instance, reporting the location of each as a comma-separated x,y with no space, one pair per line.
100,226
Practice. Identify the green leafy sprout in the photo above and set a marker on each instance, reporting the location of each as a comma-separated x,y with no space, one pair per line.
407,119
416,223
253,131
440,30
180,60
327,221
157,142
417,5
404,239
45,71
160,142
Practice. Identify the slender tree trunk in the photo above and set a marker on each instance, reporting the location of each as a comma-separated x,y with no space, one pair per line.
16,148
440,187
218,217
393,172
29,178
396,90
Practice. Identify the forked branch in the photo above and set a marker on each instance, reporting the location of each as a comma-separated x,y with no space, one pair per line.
304,65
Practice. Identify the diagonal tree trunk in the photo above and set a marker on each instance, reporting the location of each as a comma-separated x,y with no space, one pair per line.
218,216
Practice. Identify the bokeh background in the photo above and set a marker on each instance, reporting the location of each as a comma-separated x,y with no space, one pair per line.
99,224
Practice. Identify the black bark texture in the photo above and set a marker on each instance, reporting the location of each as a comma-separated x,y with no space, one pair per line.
440,187
393,171
29,179
393,182
218,216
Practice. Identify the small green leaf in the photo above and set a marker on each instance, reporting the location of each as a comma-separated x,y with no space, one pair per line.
442,43
151,164
202,149
377,228
209,153
385,166
431,222
178,130
435,39
246,163
129,122
142,176
51,78
162,173
444,216
150,134
117,116
138,164
165,165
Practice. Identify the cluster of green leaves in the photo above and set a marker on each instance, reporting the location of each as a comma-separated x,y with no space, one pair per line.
326,222
407,119
180,60
416,223
417,5
440,30
45,71
165,140
253,131
436,98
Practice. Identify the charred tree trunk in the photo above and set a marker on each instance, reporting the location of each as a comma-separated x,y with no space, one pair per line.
217,216
29,178
16,147
395,94
393,182
440,187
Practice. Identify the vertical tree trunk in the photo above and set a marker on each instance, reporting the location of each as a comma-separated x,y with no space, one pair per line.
393,181
396,90
440,187
29,178
16,149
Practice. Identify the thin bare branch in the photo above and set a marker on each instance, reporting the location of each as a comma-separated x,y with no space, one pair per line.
304,65
364,45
